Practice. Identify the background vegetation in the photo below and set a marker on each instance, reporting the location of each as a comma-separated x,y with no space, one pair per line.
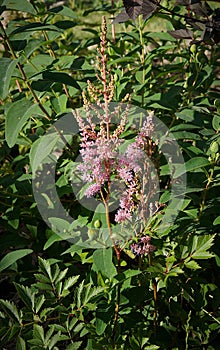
53,294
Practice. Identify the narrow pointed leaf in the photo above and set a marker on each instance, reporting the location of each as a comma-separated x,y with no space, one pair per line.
21,345
11,310
12,257
7,67
191,165
26,295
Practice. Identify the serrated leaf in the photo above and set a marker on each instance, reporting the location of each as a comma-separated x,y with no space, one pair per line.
200,255
61,276
70,282
11,310
55,273
75,346
49,334
43,286
39,302
12,257
45,267
201,245
193,265
38,333
55,338
21,345
26,295
41,278
79,294
91,292
7,67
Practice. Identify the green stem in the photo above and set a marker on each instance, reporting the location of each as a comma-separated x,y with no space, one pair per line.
205,192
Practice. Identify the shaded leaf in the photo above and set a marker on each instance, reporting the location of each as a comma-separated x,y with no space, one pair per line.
17,115
11,310
134,8
26,295
7,67
181,33
217,221
64,11
12,257
21,345
58,77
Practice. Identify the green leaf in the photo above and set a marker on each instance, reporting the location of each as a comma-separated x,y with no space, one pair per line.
38,333
7,67
39,302
217,221
17,115
11,310
216,122
103,262
21,345
70,282
63,78
52,239
45,267
75,346
12,257
19,5
193,265
64,11
201,245
186,114
55,338
191,165
41,149
79,294
26,295
91,292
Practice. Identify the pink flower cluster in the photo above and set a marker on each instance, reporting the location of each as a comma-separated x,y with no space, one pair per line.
101,158
143,247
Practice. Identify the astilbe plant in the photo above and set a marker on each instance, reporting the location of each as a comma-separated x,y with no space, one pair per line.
102,162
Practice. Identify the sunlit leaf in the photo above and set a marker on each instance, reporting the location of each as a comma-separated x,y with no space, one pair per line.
19,5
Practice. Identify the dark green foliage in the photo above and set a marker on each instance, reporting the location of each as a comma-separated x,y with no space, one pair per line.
57,295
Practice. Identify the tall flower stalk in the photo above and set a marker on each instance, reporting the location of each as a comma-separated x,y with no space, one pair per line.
103,163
